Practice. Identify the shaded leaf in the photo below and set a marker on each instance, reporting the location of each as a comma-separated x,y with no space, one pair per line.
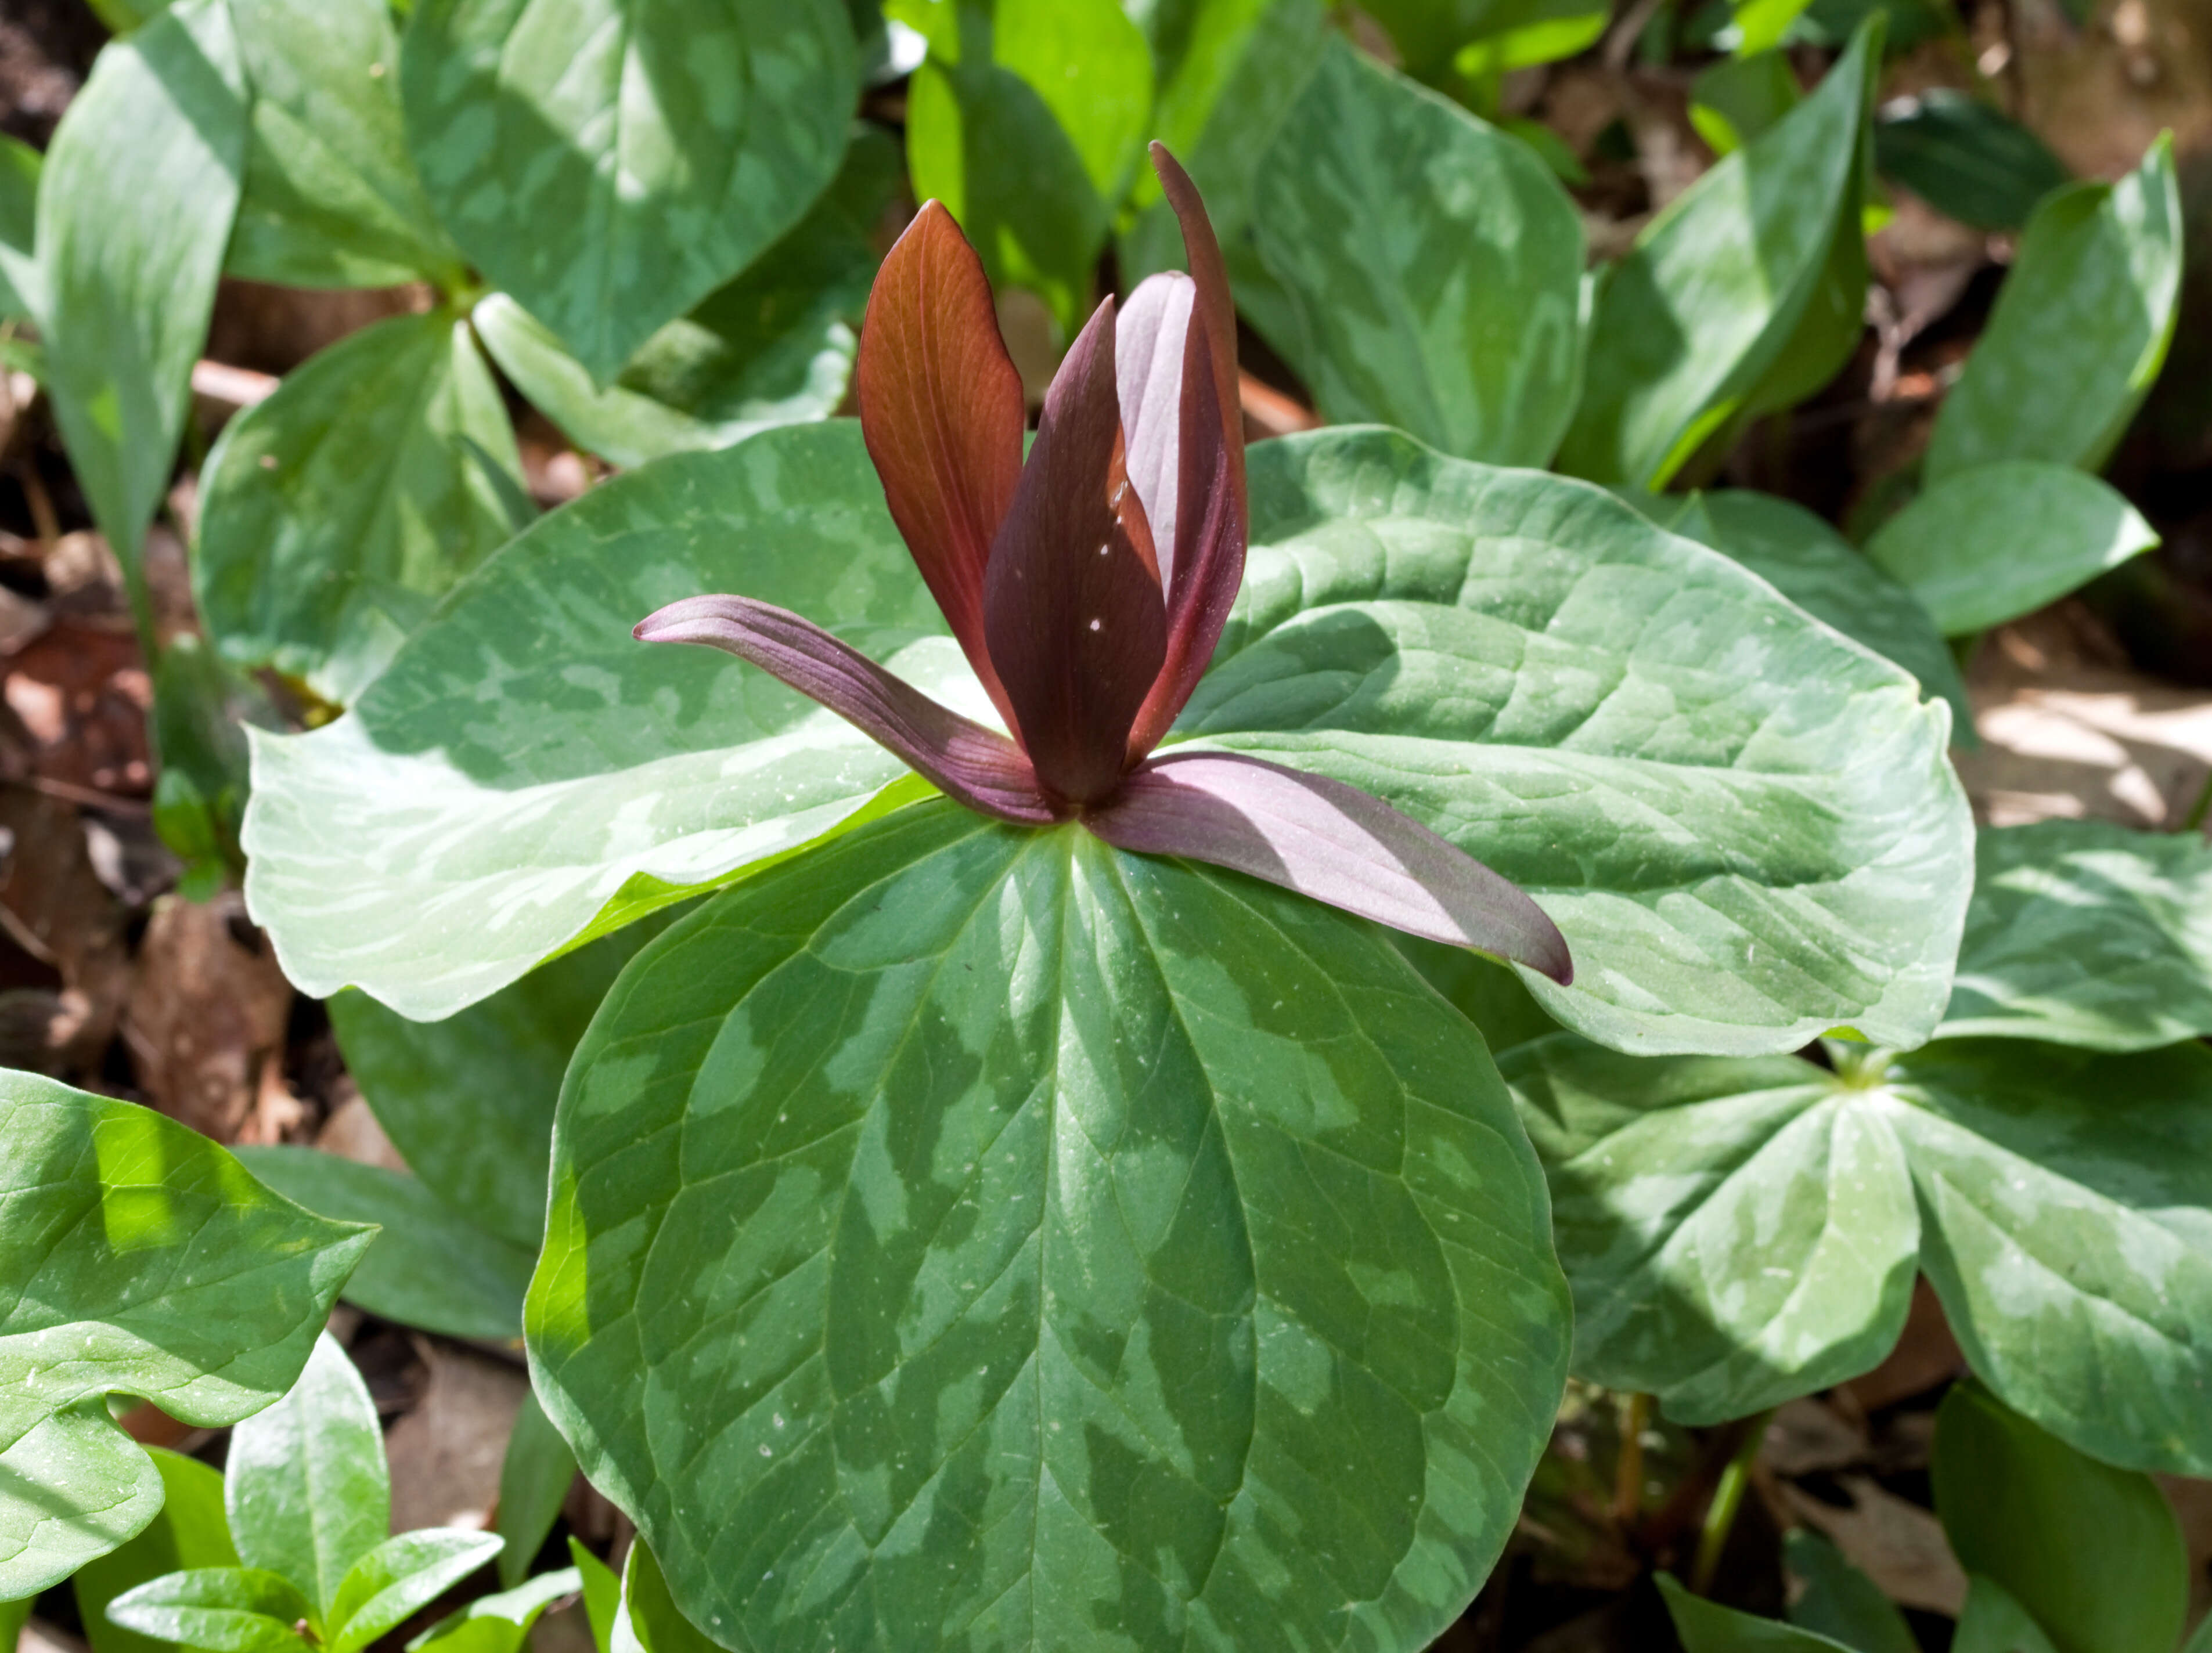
319,564
2092,1553
1461,324
1994,1622
434,1266
1991,543
190,1532
534,1478
399,1577
227,1609
602,1593
141,1259
611,163
649,1621
1738,98
2080,329
1841,1602
1708,1627
19,218
1966,157
1127,1281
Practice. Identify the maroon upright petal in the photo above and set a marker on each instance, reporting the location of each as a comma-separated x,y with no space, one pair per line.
1202,252
942,412
1150,335
1071,605
979,766
1332,842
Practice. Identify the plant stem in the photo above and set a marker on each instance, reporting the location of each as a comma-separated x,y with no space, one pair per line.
1628,1467
1728,1498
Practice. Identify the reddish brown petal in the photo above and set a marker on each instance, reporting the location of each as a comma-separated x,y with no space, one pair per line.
1332,842
941,409
1203,254
1149,336
1071,605
979,766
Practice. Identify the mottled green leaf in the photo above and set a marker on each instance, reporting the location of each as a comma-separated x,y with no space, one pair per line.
1027,120
469,1100
1841,1602
1823,574
434,1266
1991,543
1966,157
227,1609
1708,1627
135,207
1737,1232
1461,323
190,1531
304,1485
2080,330
1993,1622
137,1258
534,1478
2082,932
500,1623
331,198
773,347
989,1234
612,162
338,511
1483,990
399,1577
1691,325
524,762
2092,1553
19,220
1745,827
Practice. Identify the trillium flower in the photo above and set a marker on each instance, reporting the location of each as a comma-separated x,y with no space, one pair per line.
1088,586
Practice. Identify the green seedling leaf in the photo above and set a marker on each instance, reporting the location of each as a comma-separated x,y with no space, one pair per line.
1086,1229
201,708
1841,1602
305,1484
139,1259
14,1615
1027,120
2092,1553
223,1609
1708,1627
1967,158
434,1266
650,1622
135,206
2080,329
191,1532
2085,933
773,347
1461,324
1823,574
1739,99
611,163
331,198
533,1480
602,1588
1990,544
500,1623
1710,304
315,563
399,1577
501,840
1994,1622
19,220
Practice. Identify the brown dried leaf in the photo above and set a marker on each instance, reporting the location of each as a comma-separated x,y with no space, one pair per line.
1896,1544
446,1453
210,1006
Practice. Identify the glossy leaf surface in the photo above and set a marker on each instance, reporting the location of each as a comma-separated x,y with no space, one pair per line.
2085,933
402,1576
139,1259
225,1609
1966,157
1990,544
190,1531
1012,1234
319,564
611,163
2080,329
499,1623
648,1619
432,1266
1460,323
1704,306
2092,1553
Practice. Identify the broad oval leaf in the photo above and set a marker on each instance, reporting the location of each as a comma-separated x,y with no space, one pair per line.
500,1623
190,1532
1994,1621
1966,157
525,761
1459,323
138,1258
1841,1602
1708,302
399,1577
1989,544
2083,932
227,1609
612,162
985,1233
2080,329
1744,825
319,564
433,1265
1708,1627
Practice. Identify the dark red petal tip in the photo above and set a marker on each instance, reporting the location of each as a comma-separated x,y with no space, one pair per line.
1333,843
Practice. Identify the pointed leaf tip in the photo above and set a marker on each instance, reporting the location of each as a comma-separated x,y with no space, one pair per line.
1332,842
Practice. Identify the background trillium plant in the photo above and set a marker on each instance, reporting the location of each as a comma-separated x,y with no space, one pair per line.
1088,587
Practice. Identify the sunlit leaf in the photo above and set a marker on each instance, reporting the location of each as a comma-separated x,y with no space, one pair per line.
190,1531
